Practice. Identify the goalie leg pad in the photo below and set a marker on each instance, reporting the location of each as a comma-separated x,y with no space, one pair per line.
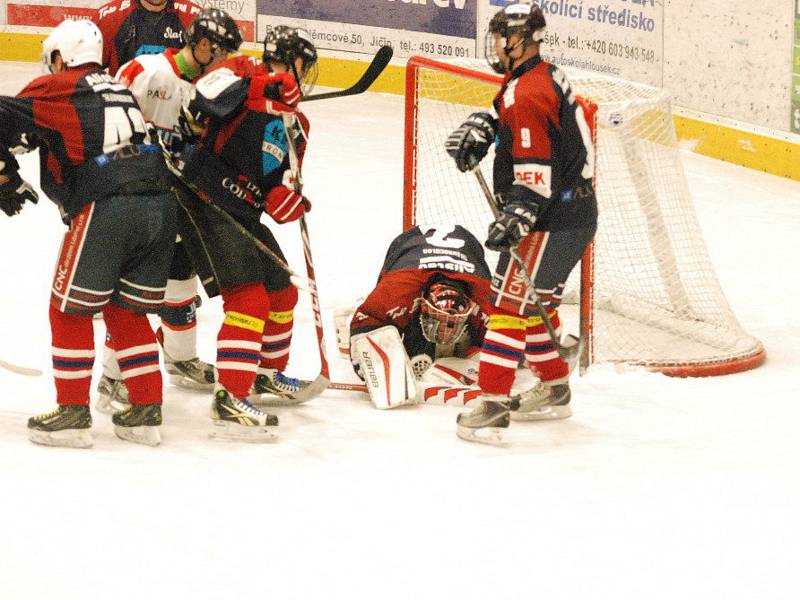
385,366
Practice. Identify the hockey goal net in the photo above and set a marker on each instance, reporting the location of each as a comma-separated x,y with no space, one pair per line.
646,291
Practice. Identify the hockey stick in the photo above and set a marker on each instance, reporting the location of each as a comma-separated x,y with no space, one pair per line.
316,387
564,353
376,67
28,372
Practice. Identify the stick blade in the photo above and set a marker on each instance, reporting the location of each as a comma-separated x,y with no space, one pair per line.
375,68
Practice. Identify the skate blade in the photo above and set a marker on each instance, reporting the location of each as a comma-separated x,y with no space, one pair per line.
491,436
187,383
107,406
254,434
67,438
148,435
546,413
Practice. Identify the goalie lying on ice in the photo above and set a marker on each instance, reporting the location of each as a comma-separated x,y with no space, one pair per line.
429,305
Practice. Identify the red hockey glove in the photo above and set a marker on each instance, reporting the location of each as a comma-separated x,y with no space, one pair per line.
284,205
273,93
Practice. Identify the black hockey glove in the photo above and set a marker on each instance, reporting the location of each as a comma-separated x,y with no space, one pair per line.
26,142
513,224
190,125
469,143
14,192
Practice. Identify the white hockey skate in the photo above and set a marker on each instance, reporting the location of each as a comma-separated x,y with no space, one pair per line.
238,420
486,423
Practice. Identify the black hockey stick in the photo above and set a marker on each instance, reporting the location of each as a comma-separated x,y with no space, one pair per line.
564,353
376,67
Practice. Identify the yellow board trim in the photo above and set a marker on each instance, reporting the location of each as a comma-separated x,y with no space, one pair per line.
760,152
282,317
22,47
243,321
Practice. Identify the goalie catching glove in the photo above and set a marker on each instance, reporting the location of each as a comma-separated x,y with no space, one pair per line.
513,224
469,143
15,191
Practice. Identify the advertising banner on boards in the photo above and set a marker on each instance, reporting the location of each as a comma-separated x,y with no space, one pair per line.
620,38
438,28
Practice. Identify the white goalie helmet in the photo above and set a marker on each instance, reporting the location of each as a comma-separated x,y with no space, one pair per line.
78,42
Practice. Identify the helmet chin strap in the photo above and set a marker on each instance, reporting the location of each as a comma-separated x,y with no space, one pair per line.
509,49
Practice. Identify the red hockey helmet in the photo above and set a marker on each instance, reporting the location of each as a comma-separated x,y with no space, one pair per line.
446,307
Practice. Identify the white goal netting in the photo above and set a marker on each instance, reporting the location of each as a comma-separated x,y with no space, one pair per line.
649,293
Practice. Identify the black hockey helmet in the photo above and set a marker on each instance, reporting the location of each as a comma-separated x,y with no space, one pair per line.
218,27
283,44
521,18
445,310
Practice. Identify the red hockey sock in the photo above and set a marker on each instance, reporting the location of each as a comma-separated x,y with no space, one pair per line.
278,329
137,353
501,352
541,353
239,338
73,356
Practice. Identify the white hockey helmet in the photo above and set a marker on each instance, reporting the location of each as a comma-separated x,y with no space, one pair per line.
78,42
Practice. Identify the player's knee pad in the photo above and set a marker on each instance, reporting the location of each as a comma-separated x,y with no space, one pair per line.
283,300
251,299
380,358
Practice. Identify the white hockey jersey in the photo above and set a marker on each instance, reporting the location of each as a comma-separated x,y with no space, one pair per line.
156,83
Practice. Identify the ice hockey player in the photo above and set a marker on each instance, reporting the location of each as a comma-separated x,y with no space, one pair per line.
160,82
131,28
112,187
430,303
237,172
543,173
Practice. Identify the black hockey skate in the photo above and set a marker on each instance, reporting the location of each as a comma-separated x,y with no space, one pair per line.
273,388
486,422
545,401
192,374
112,395
68,425
235,419
139,423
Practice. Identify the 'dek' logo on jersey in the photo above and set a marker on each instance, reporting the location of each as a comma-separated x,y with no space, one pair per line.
274,146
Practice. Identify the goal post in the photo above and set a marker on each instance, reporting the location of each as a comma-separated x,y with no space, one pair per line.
646,290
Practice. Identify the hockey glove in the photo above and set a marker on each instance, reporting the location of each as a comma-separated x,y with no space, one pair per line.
284,205
513,224
273,93
190,125
469,143
26,142
14,193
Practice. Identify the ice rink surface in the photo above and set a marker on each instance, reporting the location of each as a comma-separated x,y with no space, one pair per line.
656,488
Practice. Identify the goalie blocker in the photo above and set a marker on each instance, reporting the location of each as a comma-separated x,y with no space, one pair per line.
381,360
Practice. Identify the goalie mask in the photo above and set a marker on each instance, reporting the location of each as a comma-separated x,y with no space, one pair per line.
444,312
284,44
523,19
